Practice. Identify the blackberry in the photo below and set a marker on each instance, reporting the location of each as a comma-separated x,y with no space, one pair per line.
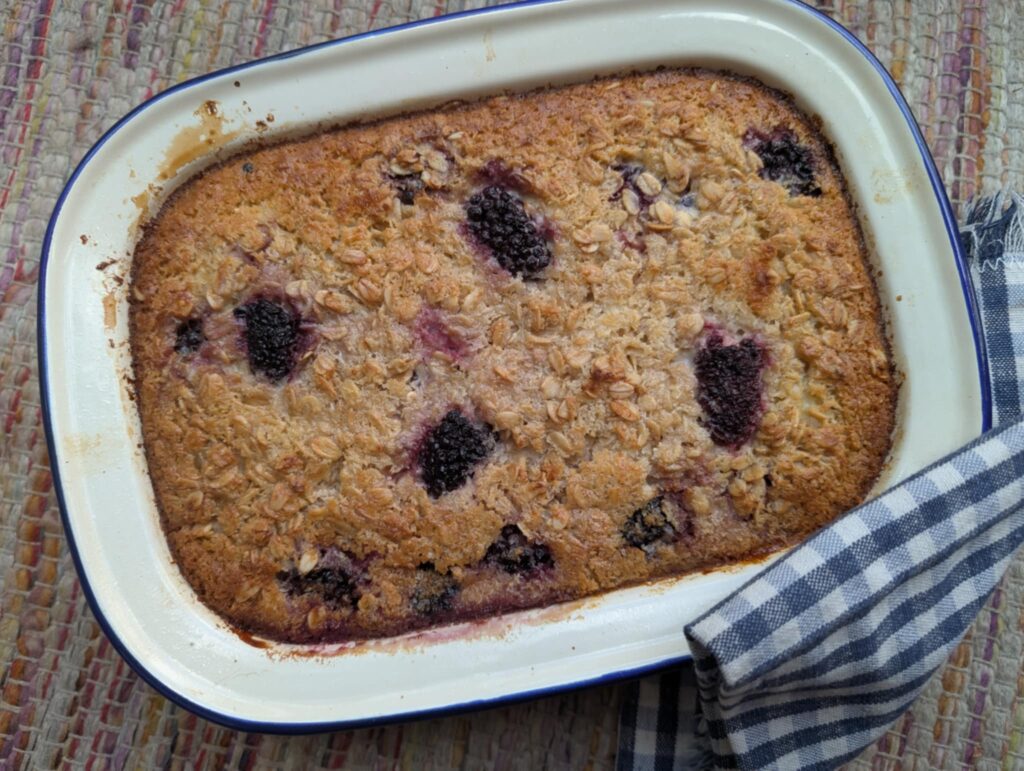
334,586
785,160
649,524
406,186
497,172
499,221
729,388
450,452
189,336
435,335
434,592
272,334
630,172
513,553
688,202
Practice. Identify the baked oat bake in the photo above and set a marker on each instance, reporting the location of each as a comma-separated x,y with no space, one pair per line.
506,353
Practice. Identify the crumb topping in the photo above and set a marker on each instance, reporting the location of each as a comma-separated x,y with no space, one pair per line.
505,353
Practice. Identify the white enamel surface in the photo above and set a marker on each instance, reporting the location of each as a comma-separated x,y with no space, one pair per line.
108,496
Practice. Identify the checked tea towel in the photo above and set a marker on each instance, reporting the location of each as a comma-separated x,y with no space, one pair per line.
813,659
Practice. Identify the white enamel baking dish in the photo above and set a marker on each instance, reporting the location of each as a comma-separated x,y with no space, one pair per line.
92,425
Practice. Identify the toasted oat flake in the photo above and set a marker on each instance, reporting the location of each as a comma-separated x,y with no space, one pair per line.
625,410
649,184
352,257
620,390
325,447
664,212
308,560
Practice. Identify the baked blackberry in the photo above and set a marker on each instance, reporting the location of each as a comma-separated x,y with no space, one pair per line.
451,451
434,334
630,181
434,592
188,337
272,333
729,388
497,172
785,160
514,553
498,220
407,187
334,586
649,524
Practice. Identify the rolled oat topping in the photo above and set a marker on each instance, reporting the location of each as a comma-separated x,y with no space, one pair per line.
506,353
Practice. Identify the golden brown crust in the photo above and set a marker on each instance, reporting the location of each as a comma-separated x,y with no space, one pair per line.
586,374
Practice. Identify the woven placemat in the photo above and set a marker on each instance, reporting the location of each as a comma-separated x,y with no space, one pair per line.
67,699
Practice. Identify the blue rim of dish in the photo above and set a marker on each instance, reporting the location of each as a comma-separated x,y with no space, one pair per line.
305,728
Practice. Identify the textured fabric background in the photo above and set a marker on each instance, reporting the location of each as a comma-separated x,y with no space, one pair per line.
68,71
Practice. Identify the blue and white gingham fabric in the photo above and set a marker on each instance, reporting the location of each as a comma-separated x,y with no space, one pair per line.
813,659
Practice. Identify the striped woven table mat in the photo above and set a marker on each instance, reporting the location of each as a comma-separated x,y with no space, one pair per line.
67,72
